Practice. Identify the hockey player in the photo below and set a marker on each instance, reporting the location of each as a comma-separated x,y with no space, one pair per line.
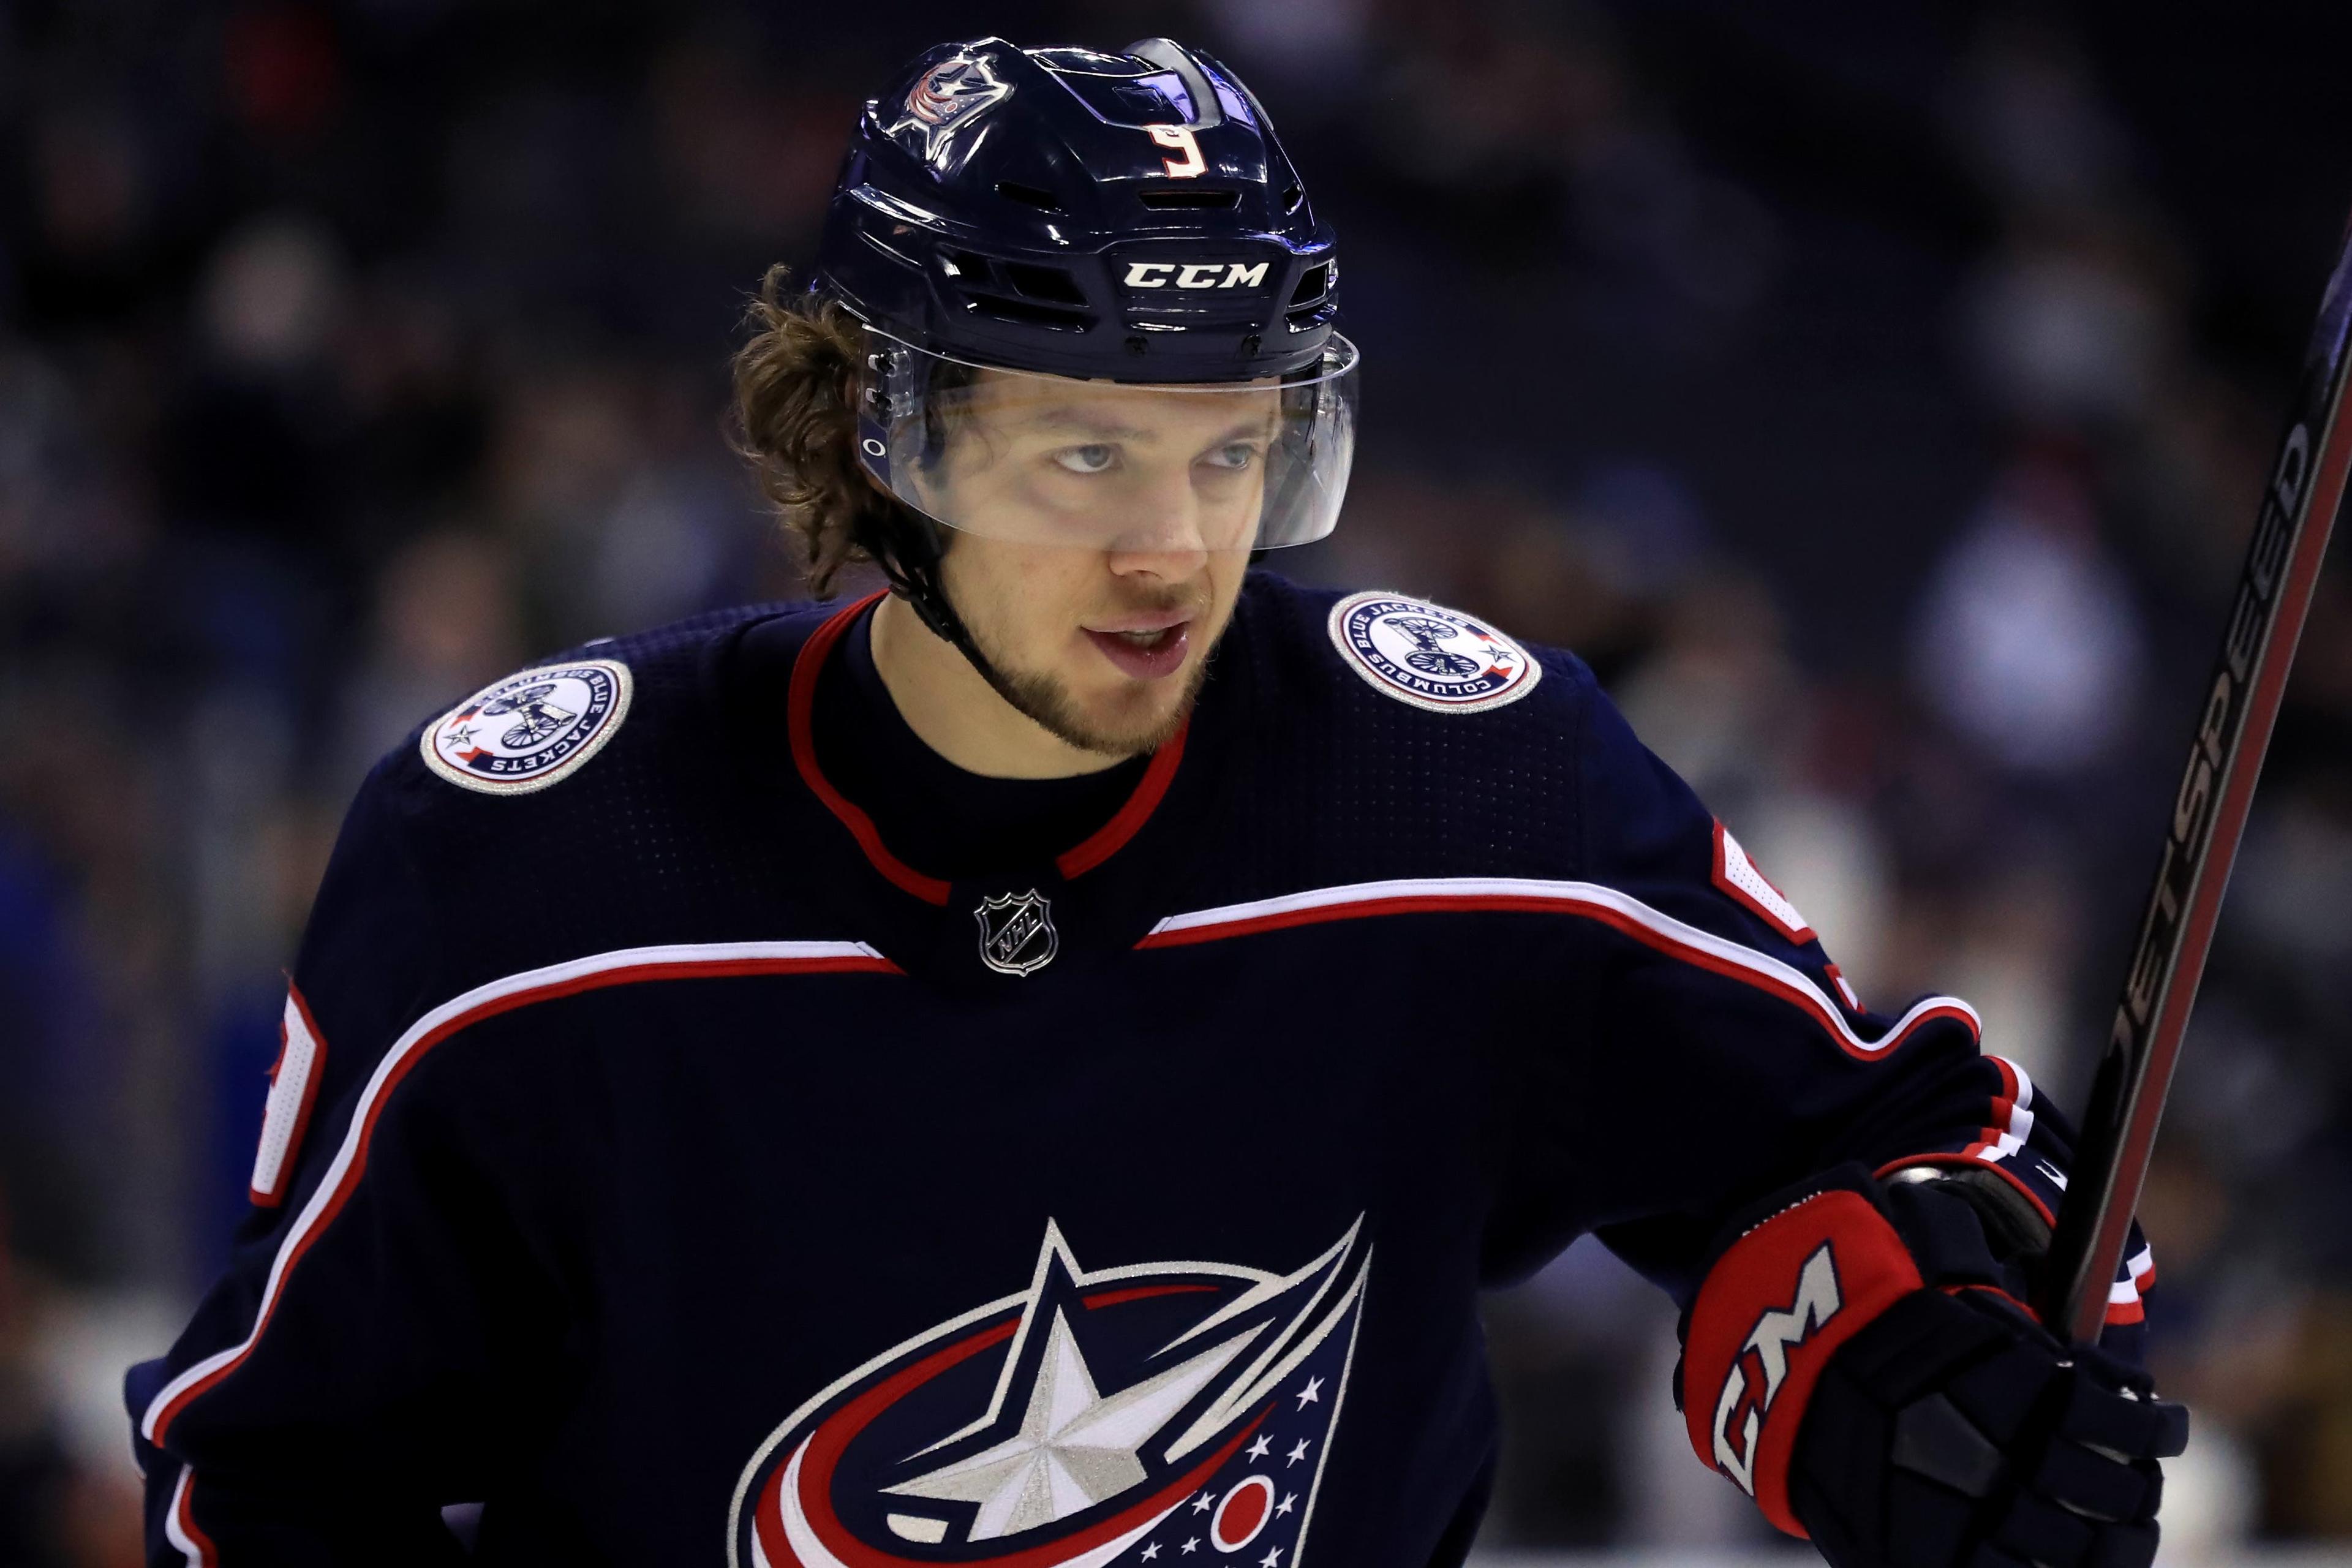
1035,1068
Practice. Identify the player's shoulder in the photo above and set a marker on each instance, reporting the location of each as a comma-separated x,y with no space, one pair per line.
1385,659
1388,735
598,798
578,721
603,798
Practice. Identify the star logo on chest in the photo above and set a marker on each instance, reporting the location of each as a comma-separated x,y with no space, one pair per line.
1075,1447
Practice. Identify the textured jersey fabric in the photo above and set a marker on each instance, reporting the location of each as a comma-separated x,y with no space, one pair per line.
685,1187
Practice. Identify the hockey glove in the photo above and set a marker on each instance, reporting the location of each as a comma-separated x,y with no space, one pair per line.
1853,1361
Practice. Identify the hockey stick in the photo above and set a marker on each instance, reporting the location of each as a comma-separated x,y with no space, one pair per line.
2209,814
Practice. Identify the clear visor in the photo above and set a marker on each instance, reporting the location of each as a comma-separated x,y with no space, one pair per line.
1104,464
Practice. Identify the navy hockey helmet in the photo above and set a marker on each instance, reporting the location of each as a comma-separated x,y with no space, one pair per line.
1010,222
1128,216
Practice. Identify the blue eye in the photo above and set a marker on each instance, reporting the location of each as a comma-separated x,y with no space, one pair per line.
1235,454
1092,459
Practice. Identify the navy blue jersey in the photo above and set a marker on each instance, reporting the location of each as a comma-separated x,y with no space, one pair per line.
663,1161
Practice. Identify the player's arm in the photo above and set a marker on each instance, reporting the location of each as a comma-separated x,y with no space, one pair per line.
1849,1206
330,1392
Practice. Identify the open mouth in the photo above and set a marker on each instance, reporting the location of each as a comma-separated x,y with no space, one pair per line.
1147,653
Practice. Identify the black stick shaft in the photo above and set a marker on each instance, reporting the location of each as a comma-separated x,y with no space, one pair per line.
2208,816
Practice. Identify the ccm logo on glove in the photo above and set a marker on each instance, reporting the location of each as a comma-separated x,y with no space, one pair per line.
1776,1333
1777,1303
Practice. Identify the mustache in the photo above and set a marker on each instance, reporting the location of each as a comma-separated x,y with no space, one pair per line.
1161,601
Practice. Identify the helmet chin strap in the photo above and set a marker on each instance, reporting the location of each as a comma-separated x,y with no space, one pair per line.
908,547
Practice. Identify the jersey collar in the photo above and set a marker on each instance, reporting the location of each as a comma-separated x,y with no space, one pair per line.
800,716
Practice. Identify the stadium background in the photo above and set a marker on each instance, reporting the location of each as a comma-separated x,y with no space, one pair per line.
1876,395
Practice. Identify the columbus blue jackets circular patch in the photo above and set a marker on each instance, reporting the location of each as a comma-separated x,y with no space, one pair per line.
1429,656
531,729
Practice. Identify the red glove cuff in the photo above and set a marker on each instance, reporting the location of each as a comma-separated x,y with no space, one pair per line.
1775,1306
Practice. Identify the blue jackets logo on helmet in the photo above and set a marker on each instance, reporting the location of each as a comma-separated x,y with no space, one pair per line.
945,96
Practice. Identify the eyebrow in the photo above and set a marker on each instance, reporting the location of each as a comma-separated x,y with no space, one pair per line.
1086,424
1082,423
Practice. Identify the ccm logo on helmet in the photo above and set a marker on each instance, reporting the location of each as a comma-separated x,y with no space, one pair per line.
1776,1333
1195,275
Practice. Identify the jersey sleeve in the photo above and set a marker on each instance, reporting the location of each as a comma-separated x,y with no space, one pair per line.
1714,1054
333,1371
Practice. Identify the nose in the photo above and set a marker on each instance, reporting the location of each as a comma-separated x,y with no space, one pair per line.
1161,536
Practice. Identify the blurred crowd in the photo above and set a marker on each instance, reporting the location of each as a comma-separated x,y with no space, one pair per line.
1868,414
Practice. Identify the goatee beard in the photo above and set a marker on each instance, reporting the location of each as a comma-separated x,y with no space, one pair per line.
1046,703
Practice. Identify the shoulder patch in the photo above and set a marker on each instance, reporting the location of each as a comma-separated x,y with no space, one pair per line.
1429,656
528,731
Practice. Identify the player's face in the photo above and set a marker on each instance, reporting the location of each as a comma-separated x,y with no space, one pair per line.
1098,466
1102,534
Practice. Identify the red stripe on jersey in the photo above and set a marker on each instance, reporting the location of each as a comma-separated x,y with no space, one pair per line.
197,1548
800,712
1618,911
1111,837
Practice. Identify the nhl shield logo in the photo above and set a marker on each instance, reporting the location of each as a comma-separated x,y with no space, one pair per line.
1430,657
1016,932
1139,1414
531,729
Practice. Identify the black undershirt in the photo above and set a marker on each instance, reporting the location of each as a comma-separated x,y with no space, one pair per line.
932,815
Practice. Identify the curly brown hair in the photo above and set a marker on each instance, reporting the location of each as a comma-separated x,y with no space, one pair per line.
796,385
